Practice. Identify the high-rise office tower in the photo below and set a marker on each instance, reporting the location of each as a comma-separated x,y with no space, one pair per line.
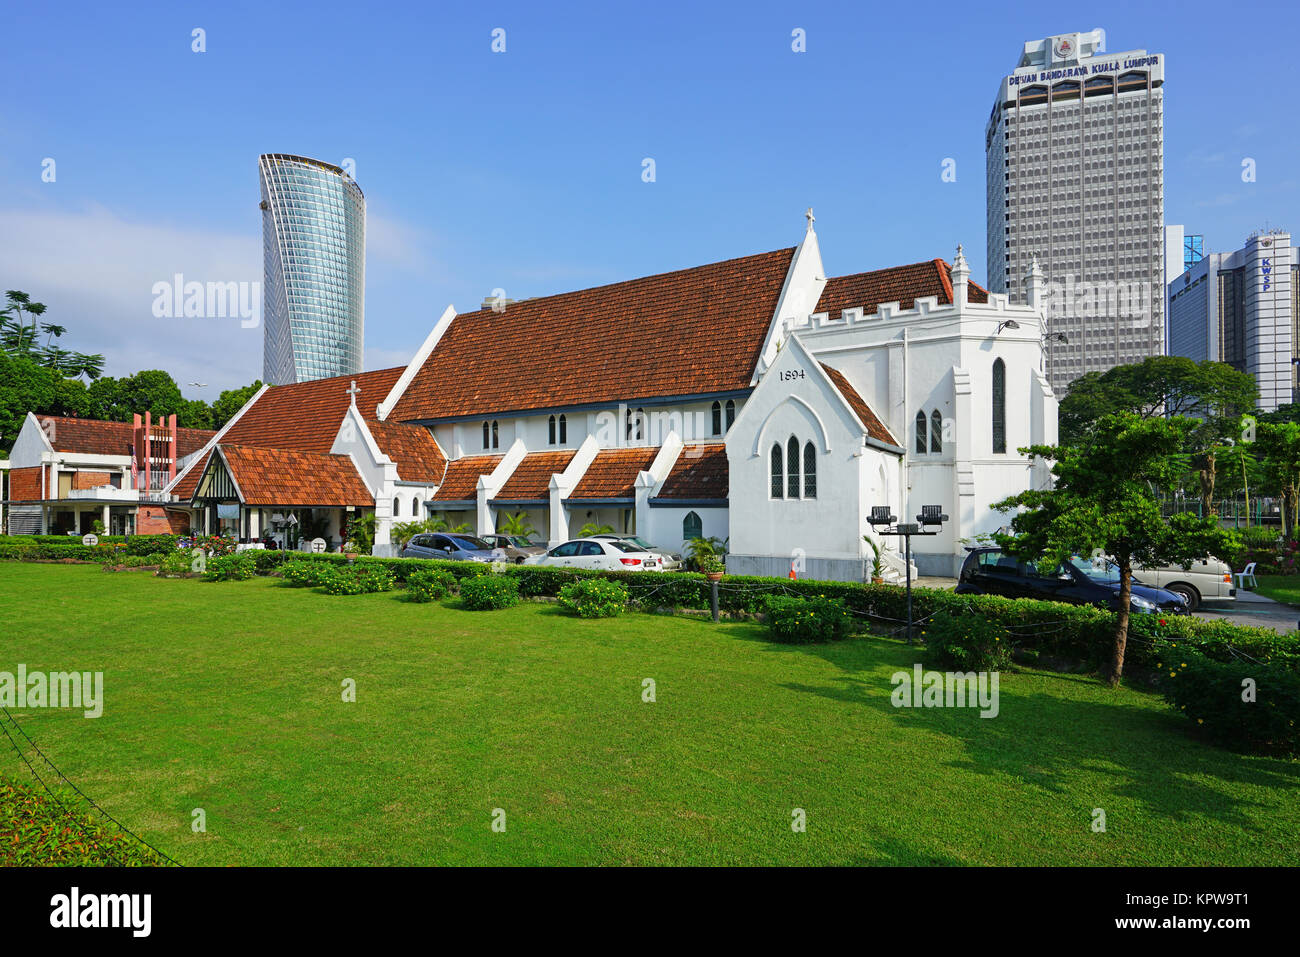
1243,308
1075,171
314,251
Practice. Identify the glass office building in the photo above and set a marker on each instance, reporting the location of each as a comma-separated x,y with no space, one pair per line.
314,250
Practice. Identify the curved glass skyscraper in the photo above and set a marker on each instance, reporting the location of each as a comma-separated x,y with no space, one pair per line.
314,250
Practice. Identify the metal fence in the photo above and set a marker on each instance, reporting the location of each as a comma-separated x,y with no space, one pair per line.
1232,512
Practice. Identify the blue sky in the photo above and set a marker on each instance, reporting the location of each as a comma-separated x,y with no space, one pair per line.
522,170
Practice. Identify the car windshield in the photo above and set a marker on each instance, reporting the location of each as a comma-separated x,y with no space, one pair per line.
1102,572
472,544
627,546
520,542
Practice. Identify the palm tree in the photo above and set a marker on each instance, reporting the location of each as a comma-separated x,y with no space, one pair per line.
18,338
517,525
591,528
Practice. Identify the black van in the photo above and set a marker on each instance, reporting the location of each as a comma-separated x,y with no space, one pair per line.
991,571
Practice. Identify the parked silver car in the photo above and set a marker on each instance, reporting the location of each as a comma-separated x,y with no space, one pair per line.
448,546
514,548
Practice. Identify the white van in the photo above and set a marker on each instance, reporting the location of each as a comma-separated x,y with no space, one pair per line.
1206,580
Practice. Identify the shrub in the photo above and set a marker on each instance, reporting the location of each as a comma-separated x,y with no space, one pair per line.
802,621
300,574
374,578
151,544
176,564
489,592
966,643
339,581
230,568
354,579
593,598
429,585
1213,694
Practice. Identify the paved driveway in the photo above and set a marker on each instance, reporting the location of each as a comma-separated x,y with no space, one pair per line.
1255,610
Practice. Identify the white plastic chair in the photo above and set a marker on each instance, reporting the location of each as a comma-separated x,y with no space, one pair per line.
1243,575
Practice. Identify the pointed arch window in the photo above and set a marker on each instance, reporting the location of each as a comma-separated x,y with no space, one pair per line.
792,468
692,526
496,441
716,410
778,472
999,407
921,443
564,429
809,471
485,434
936,431
731,413
397,506
550,431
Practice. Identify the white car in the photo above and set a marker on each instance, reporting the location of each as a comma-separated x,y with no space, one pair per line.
1205,580
668,561
599,554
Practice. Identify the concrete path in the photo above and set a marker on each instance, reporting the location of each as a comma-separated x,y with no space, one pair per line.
1253,609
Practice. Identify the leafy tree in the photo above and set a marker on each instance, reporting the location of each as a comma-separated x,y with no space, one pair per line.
1102,503
1158,386
19,339
230,402
1278,448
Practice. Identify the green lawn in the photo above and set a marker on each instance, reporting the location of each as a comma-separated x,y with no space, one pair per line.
1283,588
227,697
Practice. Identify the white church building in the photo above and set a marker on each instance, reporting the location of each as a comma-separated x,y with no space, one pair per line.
754,400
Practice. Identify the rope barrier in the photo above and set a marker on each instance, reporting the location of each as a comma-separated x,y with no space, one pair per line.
66,780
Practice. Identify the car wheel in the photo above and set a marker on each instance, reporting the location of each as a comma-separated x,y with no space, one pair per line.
519,560
1189,594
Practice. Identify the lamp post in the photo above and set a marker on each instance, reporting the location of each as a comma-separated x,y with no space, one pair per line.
931,517
1050,337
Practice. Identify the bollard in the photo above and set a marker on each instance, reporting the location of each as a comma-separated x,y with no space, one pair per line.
713,599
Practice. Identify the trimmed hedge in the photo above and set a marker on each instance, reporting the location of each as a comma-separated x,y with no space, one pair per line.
430,585
803,621
593,598
966,643
489,592
235,568
1238,704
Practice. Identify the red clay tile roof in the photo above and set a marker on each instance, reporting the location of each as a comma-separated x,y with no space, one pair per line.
688,332
700,472
531,479
97,437
460,484
413,448
875,428
306,415
184,489
294,477
612,473
901,284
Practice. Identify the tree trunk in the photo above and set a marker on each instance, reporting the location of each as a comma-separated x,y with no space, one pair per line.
1121,621
1206,475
